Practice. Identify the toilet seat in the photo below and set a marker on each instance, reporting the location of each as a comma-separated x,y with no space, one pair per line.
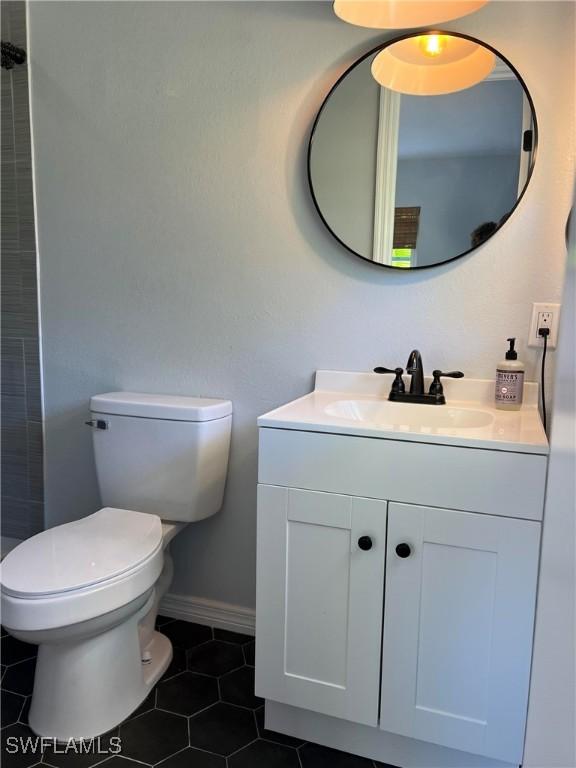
82,553
80,570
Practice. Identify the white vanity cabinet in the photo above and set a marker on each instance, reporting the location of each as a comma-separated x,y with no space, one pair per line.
320,600
396,581
459,613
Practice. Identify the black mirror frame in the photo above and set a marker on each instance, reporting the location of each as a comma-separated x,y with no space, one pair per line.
371,52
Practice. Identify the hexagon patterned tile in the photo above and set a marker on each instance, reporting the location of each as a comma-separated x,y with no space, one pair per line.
202,714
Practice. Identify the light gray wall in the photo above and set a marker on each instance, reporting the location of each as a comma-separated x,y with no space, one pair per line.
551,730
343,158
180,251
456,195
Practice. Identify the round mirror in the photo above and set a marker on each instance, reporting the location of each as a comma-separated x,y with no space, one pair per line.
422,150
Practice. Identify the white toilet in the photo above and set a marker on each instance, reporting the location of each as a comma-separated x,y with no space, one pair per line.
87,592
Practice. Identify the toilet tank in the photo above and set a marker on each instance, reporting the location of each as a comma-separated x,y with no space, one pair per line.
161,454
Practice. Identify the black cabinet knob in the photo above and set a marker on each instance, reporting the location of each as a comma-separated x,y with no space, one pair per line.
365,543
403,550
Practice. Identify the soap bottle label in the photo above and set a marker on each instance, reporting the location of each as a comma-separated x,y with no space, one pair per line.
509,386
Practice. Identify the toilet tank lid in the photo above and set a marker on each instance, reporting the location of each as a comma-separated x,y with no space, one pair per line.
169,407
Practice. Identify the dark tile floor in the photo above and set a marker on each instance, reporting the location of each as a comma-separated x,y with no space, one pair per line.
202,714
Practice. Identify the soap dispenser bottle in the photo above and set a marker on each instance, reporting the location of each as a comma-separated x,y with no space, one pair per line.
510,380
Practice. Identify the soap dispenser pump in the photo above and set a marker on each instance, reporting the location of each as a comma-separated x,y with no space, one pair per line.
510,380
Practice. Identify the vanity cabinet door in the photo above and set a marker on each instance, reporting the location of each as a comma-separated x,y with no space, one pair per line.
459,613
320,581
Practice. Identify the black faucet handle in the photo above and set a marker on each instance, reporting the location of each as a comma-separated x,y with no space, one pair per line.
436,387
448,374
398,383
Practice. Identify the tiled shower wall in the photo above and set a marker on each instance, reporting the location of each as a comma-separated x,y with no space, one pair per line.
21,448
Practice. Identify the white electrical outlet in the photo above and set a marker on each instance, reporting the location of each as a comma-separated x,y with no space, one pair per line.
544,316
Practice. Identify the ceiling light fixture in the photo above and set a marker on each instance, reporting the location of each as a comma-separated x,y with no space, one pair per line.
403,14
432,64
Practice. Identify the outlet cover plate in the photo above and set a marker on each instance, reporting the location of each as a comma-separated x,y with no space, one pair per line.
554,311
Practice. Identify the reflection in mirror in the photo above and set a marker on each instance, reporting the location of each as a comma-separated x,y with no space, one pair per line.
413,181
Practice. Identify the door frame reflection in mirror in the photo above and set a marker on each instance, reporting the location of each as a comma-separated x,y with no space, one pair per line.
383,224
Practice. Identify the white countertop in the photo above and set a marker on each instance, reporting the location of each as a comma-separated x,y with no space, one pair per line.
350,393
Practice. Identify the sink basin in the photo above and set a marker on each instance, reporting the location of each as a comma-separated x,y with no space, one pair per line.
382,413
356,404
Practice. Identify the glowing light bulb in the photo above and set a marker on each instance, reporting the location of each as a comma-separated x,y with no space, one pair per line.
433,44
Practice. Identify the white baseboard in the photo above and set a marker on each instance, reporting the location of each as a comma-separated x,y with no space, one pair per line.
209,612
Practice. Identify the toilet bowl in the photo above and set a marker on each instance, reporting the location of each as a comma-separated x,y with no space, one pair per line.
87,592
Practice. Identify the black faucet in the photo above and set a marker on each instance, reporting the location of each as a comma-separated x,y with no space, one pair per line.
415,368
